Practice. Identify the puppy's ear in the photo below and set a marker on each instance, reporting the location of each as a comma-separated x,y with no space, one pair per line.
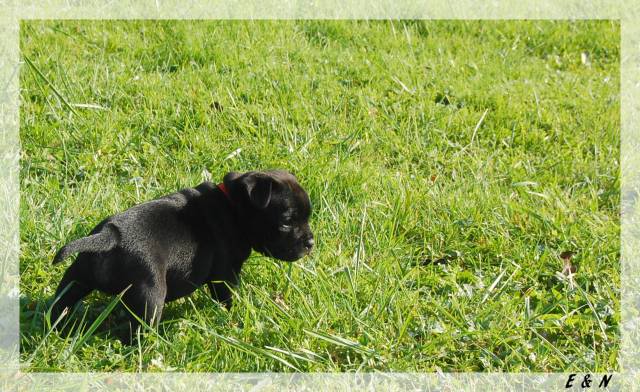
254,186
259,190
231,176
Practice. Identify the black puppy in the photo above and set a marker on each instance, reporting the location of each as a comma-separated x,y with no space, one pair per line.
166,248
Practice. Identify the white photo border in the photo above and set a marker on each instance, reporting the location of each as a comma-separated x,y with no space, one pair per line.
13,11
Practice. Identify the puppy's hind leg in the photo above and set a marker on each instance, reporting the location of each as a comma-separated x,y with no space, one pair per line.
220,292
72,288
146,301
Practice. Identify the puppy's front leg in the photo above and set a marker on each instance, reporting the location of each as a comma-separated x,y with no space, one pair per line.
220,292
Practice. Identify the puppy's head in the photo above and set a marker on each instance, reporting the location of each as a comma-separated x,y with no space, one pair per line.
274,212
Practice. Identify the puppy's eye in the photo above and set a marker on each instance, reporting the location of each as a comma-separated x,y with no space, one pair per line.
284,227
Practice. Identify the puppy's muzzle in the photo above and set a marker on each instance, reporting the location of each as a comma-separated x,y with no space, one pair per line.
308,244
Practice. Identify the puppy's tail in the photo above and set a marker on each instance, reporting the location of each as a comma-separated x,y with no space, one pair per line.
102,241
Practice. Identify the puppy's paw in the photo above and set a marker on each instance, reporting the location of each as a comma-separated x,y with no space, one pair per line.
129,336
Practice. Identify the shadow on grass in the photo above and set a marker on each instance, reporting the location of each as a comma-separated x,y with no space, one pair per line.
99,316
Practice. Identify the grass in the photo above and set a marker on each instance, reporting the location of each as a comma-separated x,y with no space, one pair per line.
449,163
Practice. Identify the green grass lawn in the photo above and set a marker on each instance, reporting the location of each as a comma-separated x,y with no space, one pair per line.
449,163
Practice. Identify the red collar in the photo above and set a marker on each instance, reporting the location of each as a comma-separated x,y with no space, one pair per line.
224,190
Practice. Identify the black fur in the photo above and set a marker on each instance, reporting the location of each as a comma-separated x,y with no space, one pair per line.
166,248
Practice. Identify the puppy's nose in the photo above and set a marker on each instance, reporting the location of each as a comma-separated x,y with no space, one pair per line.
309,243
